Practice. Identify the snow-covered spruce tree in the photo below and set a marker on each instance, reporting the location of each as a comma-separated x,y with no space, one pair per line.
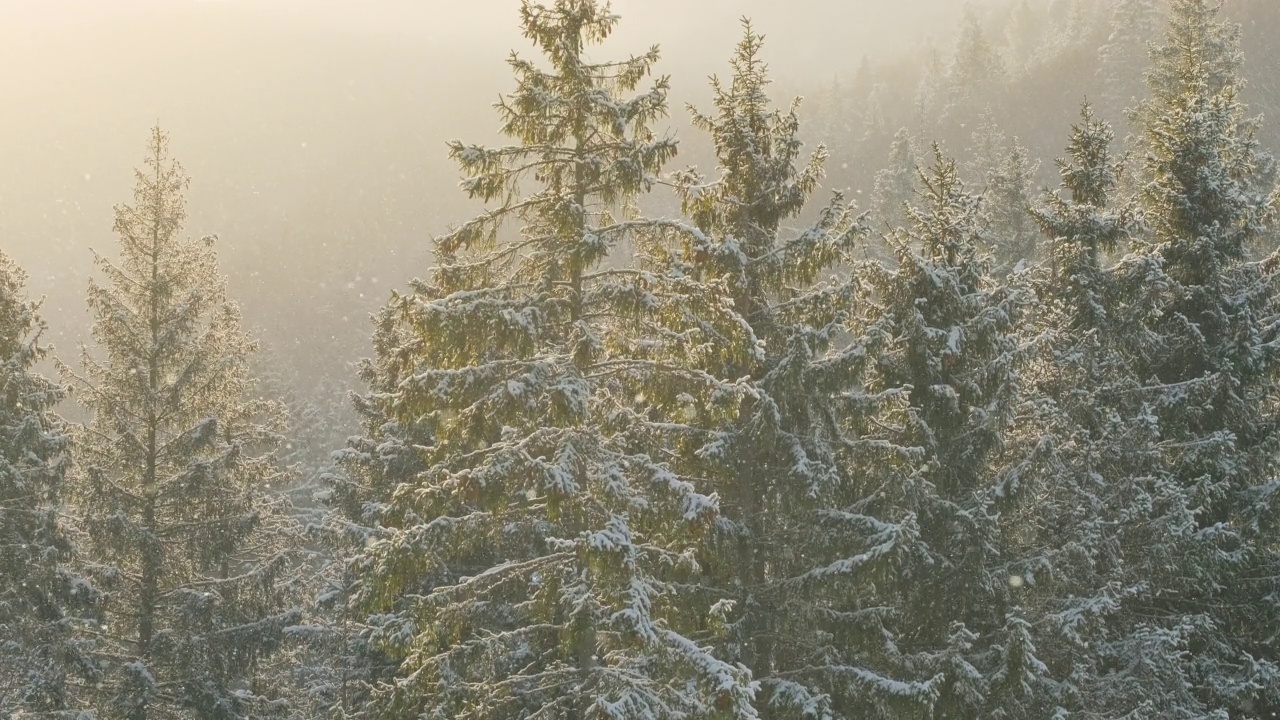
319,417
1085,442
43,660
987,146
1208,362
321,665
1025,34
930,92
174,472
1076,22
775,461
1192,32
845,112
1082,227
895,184
522,542
918,528
1006,208
876,130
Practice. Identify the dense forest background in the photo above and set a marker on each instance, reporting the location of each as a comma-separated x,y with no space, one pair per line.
948,391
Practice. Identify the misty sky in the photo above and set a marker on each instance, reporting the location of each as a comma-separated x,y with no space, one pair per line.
314,130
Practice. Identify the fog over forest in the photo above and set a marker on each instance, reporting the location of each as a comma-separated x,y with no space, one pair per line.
640,359
315,131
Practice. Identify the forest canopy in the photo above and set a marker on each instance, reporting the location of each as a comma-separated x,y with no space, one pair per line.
969,409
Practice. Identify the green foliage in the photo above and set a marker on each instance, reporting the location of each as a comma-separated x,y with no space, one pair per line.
525,542
922,508
1210,364
44,664
613,466
1006,208
777,458
174,472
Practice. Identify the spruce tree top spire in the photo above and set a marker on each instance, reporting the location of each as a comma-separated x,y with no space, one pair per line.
757,149
1198,50
561,30
159,208
1090,175
947,223
1082,225
585,146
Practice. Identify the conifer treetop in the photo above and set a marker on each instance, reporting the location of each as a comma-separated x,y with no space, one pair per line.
757,149
579,138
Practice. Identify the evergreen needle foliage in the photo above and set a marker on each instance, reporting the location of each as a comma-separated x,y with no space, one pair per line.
524,540
174,473
980,453
45,666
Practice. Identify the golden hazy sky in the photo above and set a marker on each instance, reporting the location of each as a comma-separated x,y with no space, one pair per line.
314,130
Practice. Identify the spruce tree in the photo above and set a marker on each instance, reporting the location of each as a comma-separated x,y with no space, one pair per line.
775,459
525,548
1025,33
319,416
987,145
1208,365
930,93
877,128
174,472
321,666
1083,227
1077,21
976,70
1086,446
1134,25
895,184
1006,208
919,520
44,664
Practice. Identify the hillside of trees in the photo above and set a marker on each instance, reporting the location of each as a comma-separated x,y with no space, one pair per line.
951,393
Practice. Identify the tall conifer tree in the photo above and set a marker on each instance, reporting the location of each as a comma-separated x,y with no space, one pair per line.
174,471
523,541
895,184
776,461
975,72
1006,208
1208,362
1087,444
920,507
43,661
